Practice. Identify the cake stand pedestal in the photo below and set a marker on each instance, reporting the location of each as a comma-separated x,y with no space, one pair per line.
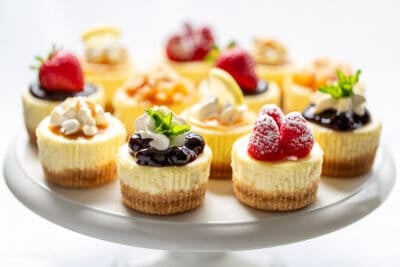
220,224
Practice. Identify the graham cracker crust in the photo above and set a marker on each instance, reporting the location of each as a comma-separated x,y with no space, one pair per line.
31,136
349,168
164,203
279,201
88,178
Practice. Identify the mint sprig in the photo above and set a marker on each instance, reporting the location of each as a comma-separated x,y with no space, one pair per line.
164,124
344,86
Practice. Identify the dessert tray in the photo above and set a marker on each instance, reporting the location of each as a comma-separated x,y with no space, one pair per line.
221,223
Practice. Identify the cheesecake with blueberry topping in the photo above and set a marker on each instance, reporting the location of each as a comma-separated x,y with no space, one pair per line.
164,167
344,127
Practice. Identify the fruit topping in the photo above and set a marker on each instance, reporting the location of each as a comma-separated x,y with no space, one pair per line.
269,51
60,71
191,44
264,143
276,137
195,142
241,66
224,87
296,137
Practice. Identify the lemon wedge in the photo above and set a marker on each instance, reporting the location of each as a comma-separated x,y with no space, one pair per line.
224,86
100,32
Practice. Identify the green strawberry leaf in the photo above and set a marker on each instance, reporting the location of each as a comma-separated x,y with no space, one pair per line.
164,125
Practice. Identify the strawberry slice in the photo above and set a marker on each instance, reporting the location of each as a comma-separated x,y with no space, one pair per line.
61,71
241,66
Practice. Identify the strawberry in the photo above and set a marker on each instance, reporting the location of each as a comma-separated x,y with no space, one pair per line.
296,136
190,45
241,66
274,111
264,143
61,71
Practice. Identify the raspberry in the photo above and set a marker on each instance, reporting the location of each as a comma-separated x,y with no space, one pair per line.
264,141
274,111
296,136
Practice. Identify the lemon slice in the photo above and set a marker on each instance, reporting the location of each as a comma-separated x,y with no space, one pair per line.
224,86
101,31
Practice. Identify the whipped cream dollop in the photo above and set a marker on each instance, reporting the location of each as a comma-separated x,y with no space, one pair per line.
225,113
354,103
78,114
269,51
145,127
106,50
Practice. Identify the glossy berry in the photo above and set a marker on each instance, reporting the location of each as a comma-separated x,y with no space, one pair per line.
136,143
264,142
192,44
274,111
194,142
241,66
180,155
61,71
296,136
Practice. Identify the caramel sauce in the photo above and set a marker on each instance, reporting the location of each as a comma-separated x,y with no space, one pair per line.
78,135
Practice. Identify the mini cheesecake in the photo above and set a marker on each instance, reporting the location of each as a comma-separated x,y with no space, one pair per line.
160,86
78,144
272,60
106,61
278,166
187,51
163,173
60,76
345,129
257,92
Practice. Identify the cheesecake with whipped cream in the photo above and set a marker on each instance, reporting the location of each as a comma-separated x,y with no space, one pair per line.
78,143
106,60
164,167
344,127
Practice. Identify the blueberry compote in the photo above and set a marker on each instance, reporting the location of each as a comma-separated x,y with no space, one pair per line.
60,95
173,156
262,86
344,121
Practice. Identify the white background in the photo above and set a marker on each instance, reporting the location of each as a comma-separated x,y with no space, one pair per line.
363,33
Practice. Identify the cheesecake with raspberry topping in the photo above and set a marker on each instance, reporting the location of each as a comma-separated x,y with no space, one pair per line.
278,166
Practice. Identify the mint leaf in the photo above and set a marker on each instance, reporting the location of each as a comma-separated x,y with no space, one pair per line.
344,86
164,125
212,55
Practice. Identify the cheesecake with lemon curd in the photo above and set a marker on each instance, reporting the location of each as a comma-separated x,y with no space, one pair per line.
343,126
59,76
278,166
271,56
160,86
257,92
187,51
298,88
106,61
164,168
221,119
77,144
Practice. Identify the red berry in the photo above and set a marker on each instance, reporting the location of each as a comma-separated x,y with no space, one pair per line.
274,111
191,44
241,66
264,142
296,136
61,72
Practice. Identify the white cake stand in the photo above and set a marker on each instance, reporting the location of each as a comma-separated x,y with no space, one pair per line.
220,224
